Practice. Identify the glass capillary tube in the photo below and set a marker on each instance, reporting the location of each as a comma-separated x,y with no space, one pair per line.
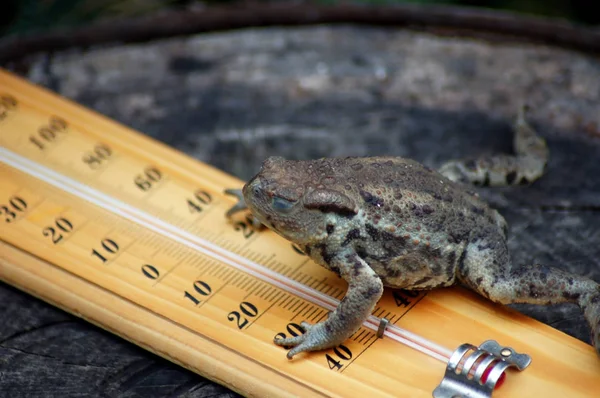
201,245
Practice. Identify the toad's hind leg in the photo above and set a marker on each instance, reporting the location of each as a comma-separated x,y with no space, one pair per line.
487,270
527,165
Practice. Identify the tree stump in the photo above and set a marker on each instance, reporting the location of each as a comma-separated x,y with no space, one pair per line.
233,98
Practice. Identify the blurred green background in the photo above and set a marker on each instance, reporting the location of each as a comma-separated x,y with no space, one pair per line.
36,16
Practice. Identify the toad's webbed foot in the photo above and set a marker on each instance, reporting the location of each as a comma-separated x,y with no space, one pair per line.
240,206
527,165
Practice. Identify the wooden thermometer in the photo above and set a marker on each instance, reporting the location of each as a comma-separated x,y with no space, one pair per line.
131,235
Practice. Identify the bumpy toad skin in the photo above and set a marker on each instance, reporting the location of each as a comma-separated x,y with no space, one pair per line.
386,221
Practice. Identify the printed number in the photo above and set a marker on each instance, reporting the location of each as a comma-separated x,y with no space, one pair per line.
247,309
150,176
54,232
199,201
245,227
150,271
343,353
7,103
109,246
97,156
202,288
15,205
48,133
402,298
293,329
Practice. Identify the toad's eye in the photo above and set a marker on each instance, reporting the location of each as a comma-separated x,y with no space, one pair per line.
281,204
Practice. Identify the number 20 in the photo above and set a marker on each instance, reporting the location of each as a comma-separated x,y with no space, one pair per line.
247,309
55,234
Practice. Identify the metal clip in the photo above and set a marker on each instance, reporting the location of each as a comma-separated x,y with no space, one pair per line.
476,375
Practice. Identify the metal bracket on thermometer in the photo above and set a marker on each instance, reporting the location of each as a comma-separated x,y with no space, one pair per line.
476,375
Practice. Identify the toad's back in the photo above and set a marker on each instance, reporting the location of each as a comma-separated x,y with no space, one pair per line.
403,196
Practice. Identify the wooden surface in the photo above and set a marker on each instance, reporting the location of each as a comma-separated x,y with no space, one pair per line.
336,114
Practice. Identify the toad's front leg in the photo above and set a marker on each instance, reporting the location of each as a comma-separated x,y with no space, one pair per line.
240,206
364,290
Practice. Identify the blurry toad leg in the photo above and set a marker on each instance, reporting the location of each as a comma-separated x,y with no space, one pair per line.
528,164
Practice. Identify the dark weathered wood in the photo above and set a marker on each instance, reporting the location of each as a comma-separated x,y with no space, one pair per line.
231,99
448,20
45,352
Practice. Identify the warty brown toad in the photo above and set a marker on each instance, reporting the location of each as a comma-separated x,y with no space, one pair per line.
389,221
